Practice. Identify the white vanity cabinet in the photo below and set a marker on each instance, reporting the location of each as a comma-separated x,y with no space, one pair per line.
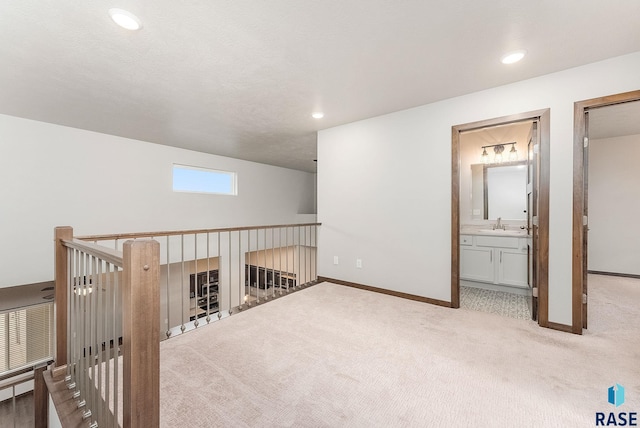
476,264
500,260
512,267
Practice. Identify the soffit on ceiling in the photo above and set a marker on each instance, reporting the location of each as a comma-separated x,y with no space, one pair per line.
499,134
241,79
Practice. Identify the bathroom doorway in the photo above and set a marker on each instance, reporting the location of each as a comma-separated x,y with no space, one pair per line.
500,176
606,152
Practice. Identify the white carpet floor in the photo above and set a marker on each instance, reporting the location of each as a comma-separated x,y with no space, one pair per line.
333,356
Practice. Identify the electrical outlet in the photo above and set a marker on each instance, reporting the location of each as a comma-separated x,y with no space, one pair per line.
335,260
359,263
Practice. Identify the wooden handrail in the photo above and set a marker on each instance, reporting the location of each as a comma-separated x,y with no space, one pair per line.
140,290
107,254
17,379
10,374
140,261
186,232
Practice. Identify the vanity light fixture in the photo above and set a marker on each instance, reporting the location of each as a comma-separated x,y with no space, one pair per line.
497,150
513,153
317,115
485,156
125,19
498,153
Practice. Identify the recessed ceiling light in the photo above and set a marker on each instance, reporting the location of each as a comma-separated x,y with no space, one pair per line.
317,115
513,57
125,19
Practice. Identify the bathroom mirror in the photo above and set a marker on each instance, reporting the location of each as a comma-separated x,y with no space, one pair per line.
499,190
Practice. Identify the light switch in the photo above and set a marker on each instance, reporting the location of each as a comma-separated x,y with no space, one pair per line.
335,260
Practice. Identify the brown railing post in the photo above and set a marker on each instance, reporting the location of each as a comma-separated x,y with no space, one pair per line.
40,398
61,293
140,332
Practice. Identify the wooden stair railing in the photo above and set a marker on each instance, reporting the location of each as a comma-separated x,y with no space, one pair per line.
140,330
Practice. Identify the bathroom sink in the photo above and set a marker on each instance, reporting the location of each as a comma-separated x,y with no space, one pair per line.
518,232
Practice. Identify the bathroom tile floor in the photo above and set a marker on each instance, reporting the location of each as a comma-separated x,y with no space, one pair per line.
495,302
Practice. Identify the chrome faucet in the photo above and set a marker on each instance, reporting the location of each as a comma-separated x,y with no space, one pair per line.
498,225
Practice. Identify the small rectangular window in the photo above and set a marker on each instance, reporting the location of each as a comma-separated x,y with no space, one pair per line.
203,180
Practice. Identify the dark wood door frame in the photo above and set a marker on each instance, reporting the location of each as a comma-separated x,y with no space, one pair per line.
579,315
543,117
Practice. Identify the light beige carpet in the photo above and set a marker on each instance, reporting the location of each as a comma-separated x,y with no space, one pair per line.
333,356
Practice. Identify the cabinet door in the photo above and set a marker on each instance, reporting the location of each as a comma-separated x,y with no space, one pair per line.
476,264
512,267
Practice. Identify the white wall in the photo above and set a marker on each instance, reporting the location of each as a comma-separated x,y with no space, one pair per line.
384,184
59,176
614,205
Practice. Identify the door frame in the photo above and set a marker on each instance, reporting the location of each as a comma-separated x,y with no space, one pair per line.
542,256
580,189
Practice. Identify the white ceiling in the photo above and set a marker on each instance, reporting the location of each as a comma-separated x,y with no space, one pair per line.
513,132
241,78
617,120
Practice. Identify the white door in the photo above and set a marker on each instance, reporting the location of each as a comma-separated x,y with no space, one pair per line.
533,173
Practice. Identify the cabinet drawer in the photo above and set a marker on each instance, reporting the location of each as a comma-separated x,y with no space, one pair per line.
466,240
497,241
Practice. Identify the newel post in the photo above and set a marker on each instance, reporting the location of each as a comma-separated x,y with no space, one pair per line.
61,292
140,333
